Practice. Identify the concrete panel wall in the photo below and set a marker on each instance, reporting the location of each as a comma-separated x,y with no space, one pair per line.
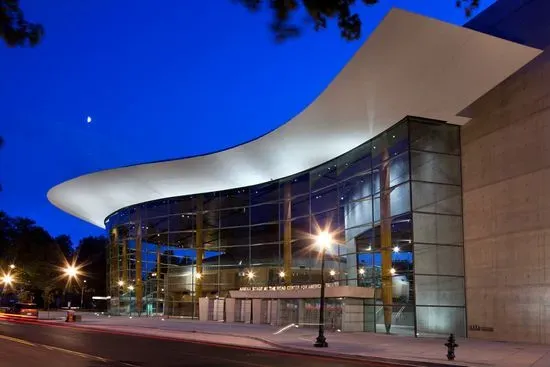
506,183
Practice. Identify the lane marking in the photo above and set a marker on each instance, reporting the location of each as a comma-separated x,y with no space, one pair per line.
73,352
16,340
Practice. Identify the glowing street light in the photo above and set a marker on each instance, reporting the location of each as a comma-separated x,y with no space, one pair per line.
323,240
198,276
396,249
120,283
71,271
362,271
332,273
131,288
281,274
250,275
12,266
392,271
7,279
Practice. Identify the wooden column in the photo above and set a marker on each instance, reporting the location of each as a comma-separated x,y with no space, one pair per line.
139,283
113,282
124,263
158,279
287,232
385,240
199,245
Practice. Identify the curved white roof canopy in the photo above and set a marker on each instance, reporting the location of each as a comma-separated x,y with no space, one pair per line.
410,65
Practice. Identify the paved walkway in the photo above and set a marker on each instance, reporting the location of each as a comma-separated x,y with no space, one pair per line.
471,352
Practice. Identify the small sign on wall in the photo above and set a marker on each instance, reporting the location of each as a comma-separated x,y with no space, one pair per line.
481,328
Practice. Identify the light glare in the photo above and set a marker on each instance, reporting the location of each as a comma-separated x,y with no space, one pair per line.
324,240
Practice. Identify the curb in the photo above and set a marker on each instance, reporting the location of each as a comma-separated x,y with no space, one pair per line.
276,347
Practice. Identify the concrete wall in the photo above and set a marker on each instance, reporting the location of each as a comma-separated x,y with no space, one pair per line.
506,183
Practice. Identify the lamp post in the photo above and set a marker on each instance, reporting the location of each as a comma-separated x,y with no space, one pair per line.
324,240
82,295
120,285
71,271
130,289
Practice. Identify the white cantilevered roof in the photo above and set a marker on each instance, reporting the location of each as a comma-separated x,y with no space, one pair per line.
410,65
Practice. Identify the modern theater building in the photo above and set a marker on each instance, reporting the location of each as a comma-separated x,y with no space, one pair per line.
428,161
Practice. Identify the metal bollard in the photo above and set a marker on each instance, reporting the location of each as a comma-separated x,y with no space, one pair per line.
451,345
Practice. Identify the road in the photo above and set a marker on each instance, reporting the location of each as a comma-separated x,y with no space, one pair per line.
33,345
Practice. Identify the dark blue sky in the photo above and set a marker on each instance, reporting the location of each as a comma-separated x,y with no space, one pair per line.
159,83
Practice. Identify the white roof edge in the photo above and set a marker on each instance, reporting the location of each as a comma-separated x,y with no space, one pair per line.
410,65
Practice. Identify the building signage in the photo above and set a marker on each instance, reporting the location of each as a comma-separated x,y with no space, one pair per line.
481,328
284,287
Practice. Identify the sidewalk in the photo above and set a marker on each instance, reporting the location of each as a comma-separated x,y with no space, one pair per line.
471,352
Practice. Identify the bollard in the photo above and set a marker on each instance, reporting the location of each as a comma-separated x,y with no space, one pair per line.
451,345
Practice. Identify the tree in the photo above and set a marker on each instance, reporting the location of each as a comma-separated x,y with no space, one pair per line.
36,257
18,31
15,29
319,12
92,254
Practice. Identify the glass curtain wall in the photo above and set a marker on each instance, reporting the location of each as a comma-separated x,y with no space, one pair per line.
166,254
437,228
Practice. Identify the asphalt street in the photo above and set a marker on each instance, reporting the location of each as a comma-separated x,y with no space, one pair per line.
35,344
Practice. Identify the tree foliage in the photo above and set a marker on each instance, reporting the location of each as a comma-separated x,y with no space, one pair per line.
18,31
319,12
15,29
92,254
37,256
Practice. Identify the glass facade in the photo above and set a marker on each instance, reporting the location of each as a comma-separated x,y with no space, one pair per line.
393,205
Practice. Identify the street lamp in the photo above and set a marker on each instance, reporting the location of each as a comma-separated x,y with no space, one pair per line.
82,295
71,271
7,279
324,240
12,266
120,285
130,288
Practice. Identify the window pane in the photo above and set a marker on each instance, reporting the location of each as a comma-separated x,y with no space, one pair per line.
234,198
399,172
182,205
300,228
211,201
357,213
441,229
438,260
324,200
354,162
433,167
323,176
156,208
265,213
234,217
436,198
439,290
390,143
181,222
266,255
264,193
435,137
299,208
441,320
356,188
234,237
298,185
265,233
327,221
